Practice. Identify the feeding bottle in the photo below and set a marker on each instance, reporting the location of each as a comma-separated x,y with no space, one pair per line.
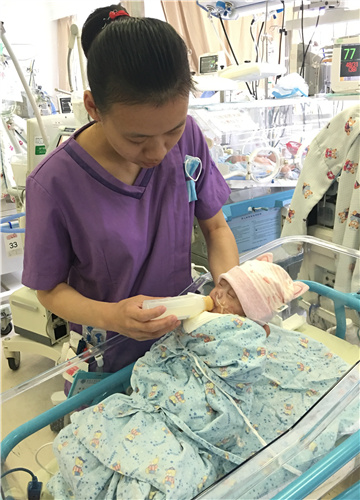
183,307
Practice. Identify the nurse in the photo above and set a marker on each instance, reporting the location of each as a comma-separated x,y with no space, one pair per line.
108,213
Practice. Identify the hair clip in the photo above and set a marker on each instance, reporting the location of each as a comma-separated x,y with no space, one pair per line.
113,14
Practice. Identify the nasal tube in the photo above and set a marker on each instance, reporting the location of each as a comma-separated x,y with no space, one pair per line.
183,307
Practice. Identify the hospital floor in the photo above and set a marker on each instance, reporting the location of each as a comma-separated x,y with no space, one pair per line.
30,454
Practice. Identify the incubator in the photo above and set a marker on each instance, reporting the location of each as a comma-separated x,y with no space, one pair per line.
260,147
263,142
27,438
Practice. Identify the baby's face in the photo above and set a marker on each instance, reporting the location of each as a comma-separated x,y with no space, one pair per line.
225,299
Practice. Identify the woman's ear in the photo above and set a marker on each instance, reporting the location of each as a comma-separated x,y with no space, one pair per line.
265,257
90,106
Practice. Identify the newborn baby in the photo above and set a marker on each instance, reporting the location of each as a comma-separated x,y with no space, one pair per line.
256,289
205,398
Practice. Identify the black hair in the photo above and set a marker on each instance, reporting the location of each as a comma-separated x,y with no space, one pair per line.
96,21
134,60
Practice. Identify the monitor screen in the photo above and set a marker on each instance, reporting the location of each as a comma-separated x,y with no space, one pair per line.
349,63
345,71
209,64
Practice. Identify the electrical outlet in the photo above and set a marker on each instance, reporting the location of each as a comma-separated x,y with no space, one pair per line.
328,278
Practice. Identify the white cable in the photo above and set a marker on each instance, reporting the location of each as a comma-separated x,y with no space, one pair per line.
81,61
37,461
247,421
76,37
11,136
265,32
47,326
221,41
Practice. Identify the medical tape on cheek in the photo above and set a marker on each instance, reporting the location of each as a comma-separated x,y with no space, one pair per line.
247,421
223,308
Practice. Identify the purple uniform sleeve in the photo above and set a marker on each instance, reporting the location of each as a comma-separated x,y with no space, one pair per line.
48,254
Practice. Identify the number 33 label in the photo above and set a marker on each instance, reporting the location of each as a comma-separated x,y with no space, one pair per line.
13,244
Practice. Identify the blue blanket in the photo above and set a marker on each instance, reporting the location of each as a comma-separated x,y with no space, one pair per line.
203,401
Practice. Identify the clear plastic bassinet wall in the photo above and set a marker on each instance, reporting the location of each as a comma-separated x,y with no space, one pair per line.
28,429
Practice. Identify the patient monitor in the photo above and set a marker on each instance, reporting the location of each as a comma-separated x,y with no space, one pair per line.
345,69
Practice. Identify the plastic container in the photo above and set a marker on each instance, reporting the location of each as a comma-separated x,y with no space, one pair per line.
182,307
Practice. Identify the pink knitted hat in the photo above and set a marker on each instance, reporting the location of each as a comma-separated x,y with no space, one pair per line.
262,287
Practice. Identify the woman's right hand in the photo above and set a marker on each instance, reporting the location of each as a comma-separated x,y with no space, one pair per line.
130,319
126,317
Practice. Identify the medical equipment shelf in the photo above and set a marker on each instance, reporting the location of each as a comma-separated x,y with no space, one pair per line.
273,200
300,256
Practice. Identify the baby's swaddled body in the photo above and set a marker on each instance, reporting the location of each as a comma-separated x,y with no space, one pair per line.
206,397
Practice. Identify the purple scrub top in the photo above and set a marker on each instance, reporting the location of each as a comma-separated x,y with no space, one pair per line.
109,240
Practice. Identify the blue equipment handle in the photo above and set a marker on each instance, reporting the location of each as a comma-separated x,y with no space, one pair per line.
340,300
350,493
23,431
7,220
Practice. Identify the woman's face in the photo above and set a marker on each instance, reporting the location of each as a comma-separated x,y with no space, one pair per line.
143,134
225,299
